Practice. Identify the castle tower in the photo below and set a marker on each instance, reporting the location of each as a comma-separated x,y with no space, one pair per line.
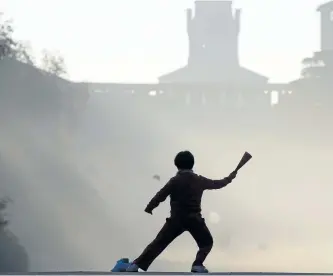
326,23
213,48
213,35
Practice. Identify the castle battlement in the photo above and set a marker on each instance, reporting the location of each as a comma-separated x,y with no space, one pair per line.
214,73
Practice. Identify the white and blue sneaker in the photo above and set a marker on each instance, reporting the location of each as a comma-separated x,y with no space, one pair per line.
132,268
199,269
121,265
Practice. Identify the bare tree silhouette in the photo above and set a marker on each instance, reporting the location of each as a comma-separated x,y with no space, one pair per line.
53,63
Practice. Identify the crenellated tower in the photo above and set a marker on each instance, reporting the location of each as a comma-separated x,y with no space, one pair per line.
213,30
213,34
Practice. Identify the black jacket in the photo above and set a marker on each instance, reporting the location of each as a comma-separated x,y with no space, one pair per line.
185,190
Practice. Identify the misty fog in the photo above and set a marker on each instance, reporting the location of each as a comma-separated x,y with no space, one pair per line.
81,210
79,189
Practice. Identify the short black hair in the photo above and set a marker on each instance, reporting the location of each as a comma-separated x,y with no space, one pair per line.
184,160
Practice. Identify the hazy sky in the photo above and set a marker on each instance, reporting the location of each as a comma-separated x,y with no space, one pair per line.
130,40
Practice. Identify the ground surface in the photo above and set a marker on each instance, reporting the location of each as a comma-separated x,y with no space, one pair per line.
92,273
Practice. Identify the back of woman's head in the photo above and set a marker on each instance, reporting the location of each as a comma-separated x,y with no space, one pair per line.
184,160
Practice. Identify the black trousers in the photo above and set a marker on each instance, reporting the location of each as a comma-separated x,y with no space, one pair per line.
172,228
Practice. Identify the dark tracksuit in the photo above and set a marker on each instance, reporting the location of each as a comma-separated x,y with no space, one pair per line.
185,191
